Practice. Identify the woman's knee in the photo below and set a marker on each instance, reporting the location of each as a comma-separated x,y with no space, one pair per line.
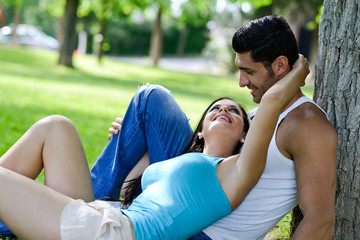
150,91
55,122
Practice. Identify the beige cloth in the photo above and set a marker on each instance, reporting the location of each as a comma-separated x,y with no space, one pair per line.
95,220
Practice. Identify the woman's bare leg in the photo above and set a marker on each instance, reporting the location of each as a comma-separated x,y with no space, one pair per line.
53,144
30,209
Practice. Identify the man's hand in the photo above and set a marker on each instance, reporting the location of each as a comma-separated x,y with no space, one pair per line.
115,127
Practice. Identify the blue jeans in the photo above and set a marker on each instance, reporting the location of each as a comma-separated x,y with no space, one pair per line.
4,231
200,236
153,122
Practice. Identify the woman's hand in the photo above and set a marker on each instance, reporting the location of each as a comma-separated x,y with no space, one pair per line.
302,66
115,127
284,90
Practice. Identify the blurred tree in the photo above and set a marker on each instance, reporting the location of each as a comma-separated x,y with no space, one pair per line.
337,90
16,6
156,43
2,15
104,10
67,45
54,9
194,13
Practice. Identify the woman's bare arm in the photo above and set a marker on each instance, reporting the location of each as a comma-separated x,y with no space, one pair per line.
251,163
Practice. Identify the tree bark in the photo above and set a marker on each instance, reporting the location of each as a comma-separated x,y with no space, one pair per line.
103,24
2,15
156,44
105,5
60,29
180,51
16,22
67,46
337,91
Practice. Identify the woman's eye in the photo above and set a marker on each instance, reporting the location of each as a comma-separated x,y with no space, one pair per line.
235,110
214,108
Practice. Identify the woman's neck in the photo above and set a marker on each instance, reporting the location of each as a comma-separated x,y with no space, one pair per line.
218,150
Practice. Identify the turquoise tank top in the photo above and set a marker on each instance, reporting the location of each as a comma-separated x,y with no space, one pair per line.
180,197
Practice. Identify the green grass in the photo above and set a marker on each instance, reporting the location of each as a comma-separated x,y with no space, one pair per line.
33,86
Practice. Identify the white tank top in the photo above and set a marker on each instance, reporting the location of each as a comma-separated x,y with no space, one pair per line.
270,200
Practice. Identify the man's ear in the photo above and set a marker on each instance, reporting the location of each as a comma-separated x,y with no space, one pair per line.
280,65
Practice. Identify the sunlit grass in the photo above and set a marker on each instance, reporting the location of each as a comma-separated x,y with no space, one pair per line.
281,231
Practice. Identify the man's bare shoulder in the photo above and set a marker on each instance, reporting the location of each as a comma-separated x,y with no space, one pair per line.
307,115
305,127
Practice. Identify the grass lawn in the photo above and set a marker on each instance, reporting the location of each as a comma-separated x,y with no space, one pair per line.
33,86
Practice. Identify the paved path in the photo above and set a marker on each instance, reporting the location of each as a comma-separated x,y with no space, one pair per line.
185,64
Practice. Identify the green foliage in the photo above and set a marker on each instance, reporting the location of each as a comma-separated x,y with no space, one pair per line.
196,12
128,38
255,3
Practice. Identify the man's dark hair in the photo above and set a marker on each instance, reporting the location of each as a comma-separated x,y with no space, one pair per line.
267,38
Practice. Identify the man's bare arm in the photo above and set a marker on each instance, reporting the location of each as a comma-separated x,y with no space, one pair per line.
312,142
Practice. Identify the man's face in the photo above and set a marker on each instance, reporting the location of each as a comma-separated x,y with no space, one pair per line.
253,75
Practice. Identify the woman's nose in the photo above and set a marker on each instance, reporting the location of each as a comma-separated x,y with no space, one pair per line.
223,108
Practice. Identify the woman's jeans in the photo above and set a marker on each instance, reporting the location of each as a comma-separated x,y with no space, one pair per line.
153,122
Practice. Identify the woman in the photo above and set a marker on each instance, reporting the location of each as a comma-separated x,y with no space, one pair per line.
132,186
32,210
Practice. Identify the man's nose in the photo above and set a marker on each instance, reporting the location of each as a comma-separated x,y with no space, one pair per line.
243,81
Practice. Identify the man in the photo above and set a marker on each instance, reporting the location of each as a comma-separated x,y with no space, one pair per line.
301,164
265,52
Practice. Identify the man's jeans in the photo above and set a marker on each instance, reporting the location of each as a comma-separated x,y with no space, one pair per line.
153,122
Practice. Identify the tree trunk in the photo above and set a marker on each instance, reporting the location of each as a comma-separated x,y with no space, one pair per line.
67,46
337,90
103,24
60,30
16,22
156,44
105,5
180,51
2,15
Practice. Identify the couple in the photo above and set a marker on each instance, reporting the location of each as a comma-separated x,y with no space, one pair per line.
301,160
26,201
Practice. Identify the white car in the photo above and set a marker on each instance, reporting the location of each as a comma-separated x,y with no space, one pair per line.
28,35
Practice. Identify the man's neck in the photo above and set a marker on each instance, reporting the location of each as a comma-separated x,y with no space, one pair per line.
298,95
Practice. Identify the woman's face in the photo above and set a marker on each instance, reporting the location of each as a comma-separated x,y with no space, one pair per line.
224,117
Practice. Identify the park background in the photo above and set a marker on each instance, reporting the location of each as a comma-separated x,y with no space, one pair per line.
116,46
